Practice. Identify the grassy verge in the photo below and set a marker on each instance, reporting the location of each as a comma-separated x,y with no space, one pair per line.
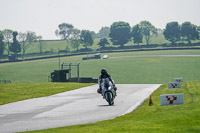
160,119
20,91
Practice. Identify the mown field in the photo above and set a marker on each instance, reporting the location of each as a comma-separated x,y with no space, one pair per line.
125,67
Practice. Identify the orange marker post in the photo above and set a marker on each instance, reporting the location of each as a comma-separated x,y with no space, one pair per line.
150,101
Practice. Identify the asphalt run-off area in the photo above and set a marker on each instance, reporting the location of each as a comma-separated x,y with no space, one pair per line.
74,107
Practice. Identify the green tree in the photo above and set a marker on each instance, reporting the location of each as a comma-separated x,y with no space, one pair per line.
30,38
2,46
64,30
189,32
120,33
7,33
103,32
40,44
94,35
15,46
172,32
75,42
22,39
147,30
86,38
198,28
103,42
137,34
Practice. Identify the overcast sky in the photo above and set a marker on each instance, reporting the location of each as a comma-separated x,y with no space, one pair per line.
44,16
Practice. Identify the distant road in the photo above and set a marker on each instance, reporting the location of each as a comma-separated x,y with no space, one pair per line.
79,106
137,56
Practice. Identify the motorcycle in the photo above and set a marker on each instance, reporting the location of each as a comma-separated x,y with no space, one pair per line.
108,91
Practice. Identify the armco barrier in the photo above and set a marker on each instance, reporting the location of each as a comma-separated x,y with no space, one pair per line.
5,81
84,80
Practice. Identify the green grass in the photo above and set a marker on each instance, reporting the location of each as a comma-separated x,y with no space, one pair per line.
54,46
48,46
184,118
13,92
123,69
159,39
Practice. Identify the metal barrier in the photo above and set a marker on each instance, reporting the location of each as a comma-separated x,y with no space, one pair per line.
5,81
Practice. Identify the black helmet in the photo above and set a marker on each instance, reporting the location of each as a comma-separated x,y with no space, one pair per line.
103,71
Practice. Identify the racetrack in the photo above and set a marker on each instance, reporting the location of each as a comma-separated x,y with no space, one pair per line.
141,56
79,106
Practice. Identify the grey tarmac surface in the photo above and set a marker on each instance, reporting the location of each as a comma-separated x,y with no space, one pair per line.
75,107
141,56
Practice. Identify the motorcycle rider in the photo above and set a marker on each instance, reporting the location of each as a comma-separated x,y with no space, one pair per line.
105,74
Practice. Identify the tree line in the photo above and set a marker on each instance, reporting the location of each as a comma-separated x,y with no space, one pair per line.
119,33
15,42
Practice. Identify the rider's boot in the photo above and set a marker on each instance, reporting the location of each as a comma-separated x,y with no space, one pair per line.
99,91
115,88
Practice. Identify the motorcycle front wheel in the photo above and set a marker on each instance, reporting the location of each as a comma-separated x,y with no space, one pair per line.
109,98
